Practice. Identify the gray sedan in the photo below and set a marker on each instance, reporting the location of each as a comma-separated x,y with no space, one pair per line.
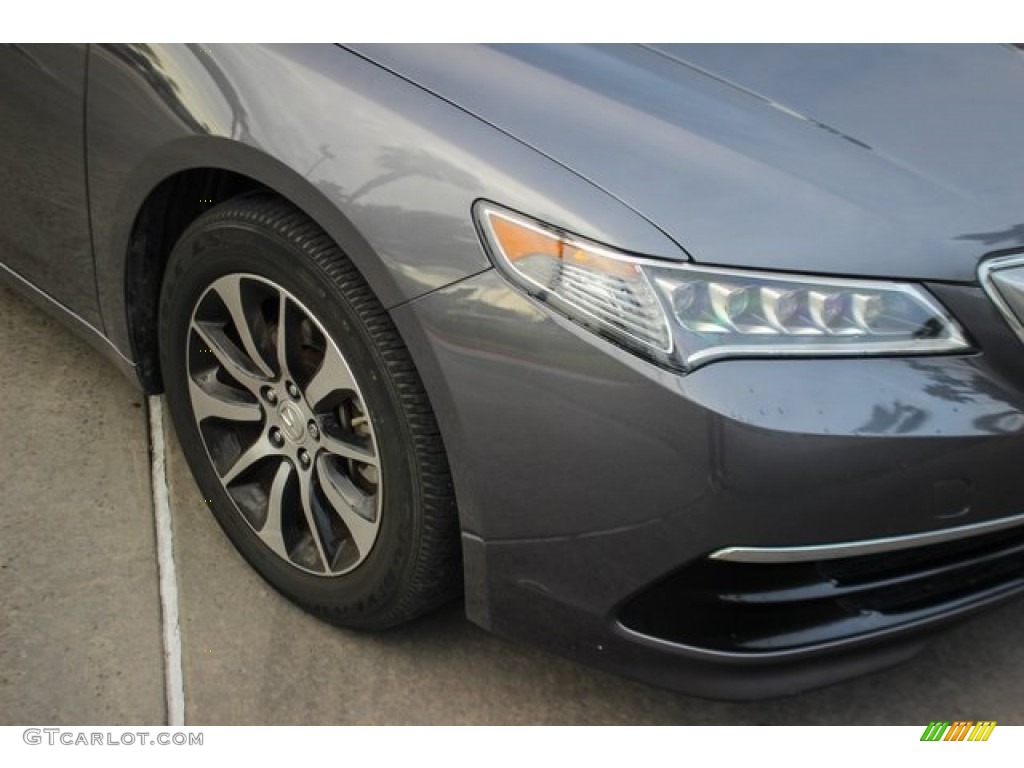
702,364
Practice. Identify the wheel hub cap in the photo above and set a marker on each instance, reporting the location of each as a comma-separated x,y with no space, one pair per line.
292,423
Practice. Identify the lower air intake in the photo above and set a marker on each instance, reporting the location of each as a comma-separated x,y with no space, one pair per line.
768,607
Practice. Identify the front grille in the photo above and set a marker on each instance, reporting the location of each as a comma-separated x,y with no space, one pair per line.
1002,279
764,607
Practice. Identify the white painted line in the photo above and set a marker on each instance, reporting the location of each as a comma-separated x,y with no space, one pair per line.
173,679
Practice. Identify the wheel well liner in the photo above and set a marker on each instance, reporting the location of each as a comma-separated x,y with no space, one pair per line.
164,215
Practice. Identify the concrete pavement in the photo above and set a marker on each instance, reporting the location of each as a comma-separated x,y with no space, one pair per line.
79,614
80,617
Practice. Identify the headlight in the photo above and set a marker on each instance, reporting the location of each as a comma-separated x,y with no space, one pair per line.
683,315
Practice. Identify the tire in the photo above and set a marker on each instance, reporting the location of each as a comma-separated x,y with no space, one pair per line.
317,447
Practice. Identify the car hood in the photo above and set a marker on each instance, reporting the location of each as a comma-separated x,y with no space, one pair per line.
902,161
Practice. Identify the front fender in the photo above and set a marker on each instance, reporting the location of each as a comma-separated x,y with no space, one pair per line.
385,168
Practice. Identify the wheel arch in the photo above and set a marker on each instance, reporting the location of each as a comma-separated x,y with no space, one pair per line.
170,193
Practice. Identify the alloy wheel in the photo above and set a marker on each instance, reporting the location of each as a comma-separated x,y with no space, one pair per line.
284,424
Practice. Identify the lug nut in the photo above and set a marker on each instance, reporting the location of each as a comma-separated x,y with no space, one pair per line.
304,458
292,390
276,437
314,430
269,395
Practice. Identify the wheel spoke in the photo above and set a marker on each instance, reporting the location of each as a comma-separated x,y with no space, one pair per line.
349,450
357,510
306,492
227,356
331,376
271,532
259,450
223,405
281,346
230,291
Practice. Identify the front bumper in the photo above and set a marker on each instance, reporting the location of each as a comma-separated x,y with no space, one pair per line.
588,479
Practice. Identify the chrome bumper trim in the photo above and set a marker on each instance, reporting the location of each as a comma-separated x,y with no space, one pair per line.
855,548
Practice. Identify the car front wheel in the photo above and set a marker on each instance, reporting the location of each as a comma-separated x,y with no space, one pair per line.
303,419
